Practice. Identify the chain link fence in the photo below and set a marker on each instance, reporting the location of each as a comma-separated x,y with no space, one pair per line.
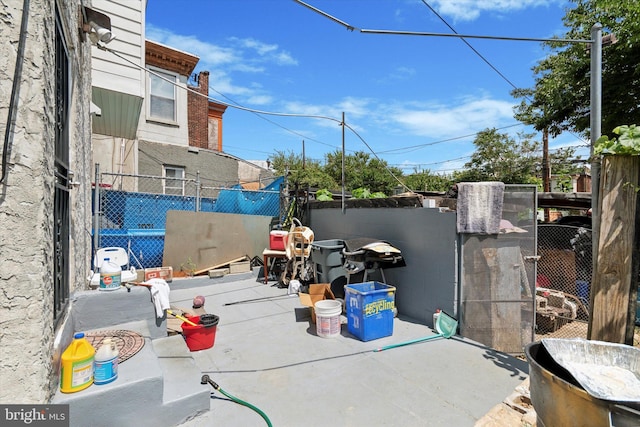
563,281
130,211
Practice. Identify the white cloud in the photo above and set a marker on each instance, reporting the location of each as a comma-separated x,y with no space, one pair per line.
353,108
222,83
435,120
211,54
439,120
225,60
469,10
260,99
266,52
399,74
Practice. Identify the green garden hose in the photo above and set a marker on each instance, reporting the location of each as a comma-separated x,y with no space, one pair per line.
205,379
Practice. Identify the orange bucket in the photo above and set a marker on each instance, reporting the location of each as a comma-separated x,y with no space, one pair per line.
202,336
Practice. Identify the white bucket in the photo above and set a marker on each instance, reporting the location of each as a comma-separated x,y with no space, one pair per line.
328,313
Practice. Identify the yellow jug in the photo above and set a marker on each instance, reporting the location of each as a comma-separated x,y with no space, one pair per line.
76,371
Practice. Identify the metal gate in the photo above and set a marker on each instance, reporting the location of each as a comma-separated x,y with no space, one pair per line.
497,292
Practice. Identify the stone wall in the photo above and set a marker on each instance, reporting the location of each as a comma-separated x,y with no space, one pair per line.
27,361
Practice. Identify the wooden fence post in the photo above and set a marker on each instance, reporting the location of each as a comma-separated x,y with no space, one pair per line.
615,277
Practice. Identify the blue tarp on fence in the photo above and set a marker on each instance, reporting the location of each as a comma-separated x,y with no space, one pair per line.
237,200
145,246
137,220
142,210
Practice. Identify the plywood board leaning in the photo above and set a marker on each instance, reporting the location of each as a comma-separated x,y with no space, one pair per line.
204,240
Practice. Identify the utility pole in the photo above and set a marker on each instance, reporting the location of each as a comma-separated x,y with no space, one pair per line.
546,168
343,174
596,129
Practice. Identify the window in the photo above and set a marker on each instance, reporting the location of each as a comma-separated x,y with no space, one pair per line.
61,230
162,96
174,180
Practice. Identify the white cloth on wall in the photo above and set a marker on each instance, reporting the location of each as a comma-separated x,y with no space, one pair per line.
160,295
479,207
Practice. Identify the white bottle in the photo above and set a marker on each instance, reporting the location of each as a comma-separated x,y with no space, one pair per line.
106,363
436,314
110,275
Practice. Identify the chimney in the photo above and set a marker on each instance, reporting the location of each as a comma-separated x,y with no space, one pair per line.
198,112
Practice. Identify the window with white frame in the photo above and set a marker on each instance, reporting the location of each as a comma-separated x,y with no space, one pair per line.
174,180
162,96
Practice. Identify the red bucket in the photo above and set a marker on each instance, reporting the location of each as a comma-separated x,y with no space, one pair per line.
202,336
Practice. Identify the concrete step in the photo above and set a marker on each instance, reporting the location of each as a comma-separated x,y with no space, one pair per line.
158,386
183,393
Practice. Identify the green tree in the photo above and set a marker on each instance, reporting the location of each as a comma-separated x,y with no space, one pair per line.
312,174
560,99
362,171
499,157
563,168
427,181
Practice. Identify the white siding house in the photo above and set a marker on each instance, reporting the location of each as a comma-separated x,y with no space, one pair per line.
141,88
118,86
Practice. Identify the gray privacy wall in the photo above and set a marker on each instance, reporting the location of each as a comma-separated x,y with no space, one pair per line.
428,241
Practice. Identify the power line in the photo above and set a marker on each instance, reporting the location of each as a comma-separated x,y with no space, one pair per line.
239,107
236,105
340,122
482,57
386,166
469,45
455,34
273,122
405,166
416,147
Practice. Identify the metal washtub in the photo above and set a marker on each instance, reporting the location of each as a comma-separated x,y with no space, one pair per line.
560,400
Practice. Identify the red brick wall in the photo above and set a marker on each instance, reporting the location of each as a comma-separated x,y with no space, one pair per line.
198,112
215,125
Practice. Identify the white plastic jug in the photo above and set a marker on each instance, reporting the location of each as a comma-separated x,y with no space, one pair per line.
110,276
106,363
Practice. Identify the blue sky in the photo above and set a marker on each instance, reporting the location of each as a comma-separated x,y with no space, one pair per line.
416,101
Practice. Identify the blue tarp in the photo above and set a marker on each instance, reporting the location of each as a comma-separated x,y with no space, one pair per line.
146,245
137,220
263,202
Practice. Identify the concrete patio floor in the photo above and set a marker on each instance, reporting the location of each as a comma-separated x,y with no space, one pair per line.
267,353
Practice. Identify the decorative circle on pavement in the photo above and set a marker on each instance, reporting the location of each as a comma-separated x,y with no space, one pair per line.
128,342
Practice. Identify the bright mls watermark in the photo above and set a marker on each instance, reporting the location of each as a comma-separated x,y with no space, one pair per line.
34,415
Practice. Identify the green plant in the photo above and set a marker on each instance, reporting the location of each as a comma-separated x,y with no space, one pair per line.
365,193
361,193
188,266
324,195
627,142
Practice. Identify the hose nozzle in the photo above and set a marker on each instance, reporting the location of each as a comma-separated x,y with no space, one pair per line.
206,380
